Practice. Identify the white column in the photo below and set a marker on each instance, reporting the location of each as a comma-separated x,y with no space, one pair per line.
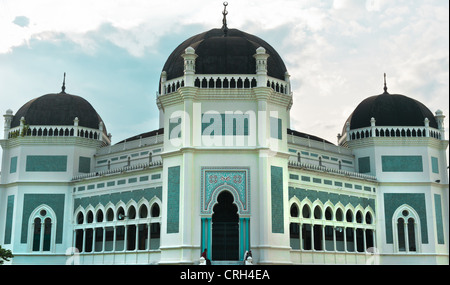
334,239
8,119
261,67
189,57
148,235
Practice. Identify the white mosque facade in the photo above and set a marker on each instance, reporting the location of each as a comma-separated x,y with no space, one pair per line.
224,172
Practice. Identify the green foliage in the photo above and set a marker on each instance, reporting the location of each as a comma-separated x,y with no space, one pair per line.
5,255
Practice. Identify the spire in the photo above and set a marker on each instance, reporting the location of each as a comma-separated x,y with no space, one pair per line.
385,86
63,88
224,21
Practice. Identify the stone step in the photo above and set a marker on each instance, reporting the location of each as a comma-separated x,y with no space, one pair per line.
227,262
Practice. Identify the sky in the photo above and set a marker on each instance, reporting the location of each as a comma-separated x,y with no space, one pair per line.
336,52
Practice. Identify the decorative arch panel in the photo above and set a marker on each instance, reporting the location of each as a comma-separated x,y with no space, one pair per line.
217,179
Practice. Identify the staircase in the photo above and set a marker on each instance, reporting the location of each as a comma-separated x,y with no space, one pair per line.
227,262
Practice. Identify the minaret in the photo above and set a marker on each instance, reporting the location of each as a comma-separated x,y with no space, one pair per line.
8,119
189,57
261,66
440,121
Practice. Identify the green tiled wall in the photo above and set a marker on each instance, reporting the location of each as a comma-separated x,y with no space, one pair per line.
54,201
438,213
401,163
114,198
13,165
9,219
364,164
334,198
276,128
173,199
84,165
175,124
394,200
435,164
46,163
276,186
233,124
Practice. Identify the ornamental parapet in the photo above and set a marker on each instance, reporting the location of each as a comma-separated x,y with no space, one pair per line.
136,167
225,81
308,166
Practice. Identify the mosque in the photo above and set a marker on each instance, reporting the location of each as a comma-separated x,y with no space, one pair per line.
224,172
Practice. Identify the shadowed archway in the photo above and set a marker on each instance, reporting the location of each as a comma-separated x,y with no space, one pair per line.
225,228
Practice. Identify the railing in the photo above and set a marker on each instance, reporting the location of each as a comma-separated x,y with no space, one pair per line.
135,167
157,139
225,81
292,139
393,131
57,131
331,170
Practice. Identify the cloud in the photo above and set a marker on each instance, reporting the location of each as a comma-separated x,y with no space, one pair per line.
336,52
21,21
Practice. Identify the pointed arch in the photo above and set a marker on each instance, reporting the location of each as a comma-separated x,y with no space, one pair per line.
406,229
42,229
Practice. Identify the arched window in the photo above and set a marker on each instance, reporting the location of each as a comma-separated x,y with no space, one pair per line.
80,218
294,227
368,218
120,214
317,213
109,215
349,216
143,211
37,234
306,212
155,226
294,210
328,214
99,216
406,227
359,218
42,229
155,210
131,212
90,217
339,215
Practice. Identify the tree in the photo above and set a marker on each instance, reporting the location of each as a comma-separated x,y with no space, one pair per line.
5,254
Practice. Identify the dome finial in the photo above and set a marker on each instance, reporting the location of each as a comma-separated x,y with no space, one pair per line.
224,21
385,86
63,88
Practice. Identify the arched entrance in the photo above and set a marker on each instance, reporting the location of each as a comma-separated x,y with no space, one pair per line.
225,228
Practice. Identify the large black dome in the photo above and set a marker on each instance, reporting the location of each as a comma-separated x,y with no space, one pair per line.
220,54
58,110
390,110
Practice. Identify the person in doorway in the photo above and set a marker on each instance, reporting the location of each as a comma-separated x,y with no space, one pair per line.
204,255
246,256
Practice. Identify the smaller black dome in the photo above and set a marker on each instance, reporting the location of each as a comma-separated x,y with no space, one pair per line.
58,109
390,110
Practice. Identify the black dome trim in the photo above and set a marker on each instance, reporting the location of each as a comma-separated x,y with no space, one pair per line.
58,110
390,110
217,54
